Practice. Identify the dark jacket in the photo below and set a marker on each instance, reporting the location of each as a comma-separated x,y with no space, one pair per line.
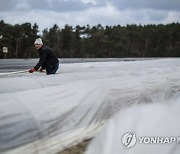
47,58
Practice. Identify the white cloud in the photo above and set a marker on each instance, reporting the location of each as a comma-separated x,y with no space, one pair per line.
89,1
100,12
173,16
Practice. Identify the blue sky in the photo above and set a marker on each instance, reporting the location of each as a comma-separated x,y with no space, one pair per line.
46,13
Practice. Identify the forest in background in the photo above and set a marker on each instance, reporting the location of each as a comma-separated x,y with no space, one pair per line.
92,41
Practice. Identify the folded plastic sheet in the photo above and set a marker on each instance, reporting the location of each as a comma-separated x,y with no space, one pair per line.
45,114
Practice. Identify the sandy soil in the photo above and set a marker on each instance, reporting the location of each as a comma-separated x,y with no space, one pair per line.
77,149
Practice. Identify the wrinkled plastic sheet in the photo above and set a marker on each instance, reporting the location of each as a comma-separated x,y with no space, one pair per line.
154,127
46,113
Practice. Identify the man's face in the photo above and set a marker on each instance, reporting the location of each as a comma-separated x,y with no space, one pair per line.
37,46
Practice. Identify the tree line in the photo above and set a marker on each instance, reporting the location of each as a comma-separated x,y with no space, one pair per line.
92,41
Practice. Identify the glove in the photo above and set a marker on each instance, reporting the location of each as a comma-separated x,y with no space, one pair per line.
31,70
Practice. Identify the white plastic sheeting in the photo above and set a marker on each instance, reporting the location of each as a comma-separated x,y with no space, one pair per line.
155,129
45,114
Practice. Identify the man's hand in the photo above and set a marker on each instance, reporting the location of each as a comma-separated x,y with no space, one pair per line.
32,70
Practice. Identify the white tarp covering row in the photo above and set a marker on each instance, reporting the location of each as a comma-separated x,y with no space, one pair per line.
141,129
45,114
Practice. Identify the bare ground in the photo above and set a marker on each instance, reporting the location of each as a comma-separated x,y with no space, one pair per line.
77,149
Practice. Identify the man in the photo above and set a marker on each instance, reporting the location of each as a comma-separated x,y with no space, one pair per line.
47,59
